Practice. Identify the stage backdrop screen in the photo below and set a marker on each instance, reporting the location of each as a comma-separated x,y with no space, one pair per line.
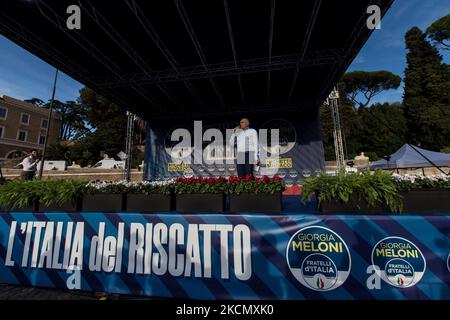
300,149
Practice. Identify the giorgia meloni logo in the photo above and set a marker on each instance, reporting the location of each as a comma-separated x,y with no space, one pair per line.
318,258
400,261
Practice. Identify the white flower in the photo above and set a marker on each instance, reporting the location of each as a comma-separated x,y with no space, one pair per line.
99,185
413,178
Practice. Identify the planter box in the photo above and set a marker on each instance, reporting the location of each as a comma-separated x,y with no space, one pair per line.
348,208
105,202
251,202
352,207
208,202
138,202
416,201
427,201
64,207
32,207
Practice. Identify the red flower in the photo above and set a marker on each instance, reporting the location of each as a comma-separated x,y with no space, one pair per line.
266,179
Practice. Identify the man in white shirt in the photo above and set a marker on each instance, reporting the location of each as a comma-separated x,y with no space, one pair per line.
29,166
247,148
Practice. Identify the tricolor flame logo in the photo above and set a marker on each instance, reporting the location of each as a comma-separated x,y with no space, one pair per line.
400,281
320,284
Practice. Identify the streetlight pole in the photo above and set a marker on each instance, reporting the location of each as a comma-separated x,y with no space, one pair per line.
129,145
41,166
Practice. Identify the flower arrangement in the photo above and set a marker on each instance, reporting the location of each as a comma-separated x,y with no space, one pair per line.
117,187
408,182
264,185
232,185
21,194
200,185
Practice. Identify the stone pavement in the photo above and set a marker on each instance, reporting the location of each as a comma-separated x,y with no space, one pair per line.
14,292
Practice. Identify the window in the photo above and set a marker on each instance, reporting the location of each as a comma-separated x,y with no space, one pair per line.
3,113
24,118
44,123
41,139
2,130
22,135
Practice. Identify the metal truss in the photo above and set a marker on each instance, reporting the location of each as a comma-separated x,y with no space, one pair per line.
150,30
333,101
233,46
37,45
235,111
198,48
231,68
338,58
358,37
103,23
271,28
26,38
90,48
309,30
129,145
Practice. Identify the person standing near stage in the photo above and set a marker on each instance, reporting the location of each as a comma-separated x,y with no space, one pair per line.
29,166
247,147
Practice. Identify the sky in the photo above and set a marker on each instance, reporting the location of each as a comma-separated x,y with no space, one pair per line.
24,76
385,49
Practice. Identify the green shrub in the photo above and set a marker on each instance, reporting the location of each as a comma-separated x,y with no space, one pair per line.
19,194
374,187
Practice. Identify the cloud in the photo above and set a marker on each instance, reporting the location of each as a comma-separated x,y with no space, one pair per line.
6,91
359,60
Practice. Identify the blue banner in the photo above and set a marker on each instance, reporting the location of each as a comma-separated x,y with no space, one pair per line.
229,256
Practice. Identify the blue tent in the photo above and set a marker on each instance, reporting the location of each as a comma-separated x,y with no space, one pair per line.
409,156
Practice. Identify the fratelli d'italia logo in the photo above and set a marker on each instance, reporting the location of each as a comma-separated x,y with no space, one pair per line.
401,262
318,258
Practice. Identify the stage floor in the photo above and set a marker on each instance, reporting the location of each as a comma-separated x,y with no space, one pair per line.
294,204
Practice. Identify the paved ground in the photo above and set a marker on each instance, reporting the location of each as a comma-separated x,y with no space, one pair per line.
79,174
12,292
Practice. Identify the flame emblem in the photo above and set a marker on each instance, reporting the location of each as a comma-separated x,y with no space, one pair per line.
400,281
320,284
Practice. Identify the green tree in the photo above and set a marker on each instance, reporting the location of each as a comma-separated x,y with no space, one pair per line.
36,101
382,129
58,151
361,86
427,93
90,127
108,123
439,32
73,119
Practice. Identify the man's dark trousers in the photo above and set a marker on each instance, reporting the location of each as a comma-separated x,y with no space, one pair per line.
245,163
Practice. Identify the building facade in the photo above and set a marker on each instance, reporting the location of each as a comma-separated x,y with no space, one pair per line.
23,126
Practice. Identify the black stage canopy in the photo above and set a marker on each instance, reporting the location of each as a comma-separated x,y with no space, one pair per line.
163,59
